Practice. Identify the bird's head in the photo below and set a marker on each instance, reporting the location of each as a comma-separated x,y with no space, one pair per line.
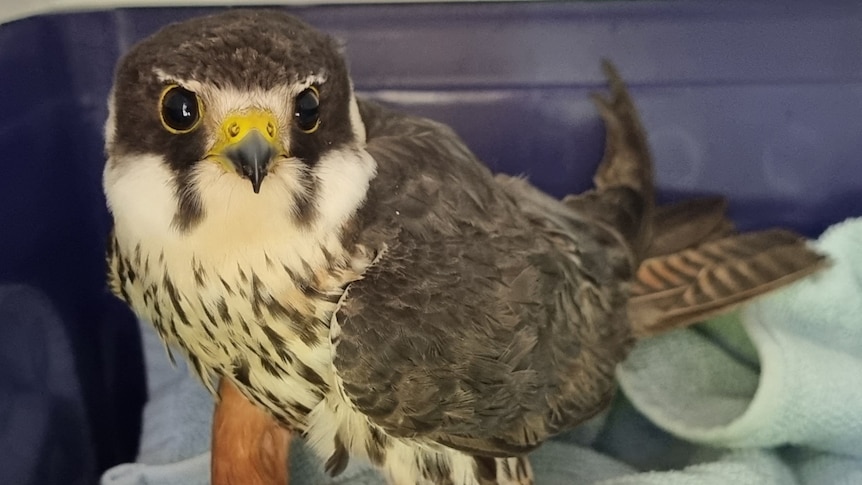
243,118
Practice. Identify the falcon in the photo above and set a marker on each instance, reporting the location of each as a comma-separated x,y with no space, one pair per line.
361,277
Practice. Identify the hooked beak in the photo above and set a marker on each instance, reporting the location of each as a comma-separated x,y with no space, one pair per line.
249,141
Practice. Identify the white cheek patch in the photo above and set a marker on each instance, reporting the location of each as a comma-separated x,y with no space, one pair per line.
141,196
343,177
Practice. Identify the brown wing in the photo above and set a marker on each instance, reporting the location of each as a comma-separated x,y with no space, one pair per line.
478,327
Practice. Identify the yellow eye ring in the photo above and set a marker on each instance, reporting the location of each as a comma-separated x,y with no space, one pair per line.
180,110
306,110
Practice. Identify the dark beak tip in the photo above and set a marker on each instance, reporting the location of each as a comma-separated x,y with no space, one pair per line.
255,184
252,157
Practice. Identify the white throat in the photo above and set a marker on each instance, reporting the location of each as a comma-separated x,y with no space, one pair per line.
236,221
142,195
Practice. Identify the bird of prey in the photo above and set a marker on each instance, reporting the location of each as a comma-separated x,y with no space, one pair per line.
360,276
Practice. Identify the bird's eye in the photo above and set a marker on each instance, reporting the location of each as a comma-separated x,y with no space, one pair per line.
307,110
180,110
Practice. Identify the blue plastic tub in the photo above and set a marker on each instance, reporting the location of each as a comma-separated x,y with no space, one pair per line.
759,102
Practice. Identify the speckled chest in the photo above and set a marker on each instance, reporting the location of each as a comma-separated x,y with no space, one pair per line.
265,326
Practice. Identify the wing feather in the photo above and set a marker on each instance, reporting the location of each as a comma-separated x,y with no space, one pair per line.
469,330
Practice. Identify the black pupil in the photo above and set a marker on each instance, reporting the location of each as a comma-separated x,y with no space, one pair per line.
307,110
180,109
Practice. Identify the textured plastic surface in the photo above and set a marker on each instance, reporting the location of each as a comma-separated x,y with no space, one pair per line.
759,102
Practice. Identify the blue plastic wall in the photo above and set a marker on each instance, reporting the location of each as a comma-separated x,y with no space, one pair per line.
762,103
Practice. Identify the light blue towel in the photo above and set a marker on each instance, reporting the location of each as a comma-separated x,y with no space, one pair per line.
797,381
771,395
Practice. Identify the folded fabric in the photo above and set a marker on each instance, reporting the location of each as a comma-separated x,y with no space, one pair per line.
770,395
803,388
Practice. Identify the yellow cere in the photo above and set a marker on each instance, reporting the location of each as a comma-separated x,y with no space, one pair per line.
237,125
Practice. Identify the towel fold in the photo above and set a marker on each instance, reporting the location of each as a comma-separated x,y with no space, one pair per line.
804,386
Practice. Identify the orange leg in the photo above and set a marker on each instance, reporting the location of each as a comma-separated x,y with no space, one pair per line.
248,446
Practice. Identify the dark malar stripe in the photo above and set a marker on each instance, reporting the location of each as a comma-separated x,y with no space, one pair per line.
189,207
304,207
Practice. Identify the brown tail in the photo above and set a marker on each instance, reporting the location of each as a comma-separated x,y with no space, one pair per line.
687,224
691,263
688,286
